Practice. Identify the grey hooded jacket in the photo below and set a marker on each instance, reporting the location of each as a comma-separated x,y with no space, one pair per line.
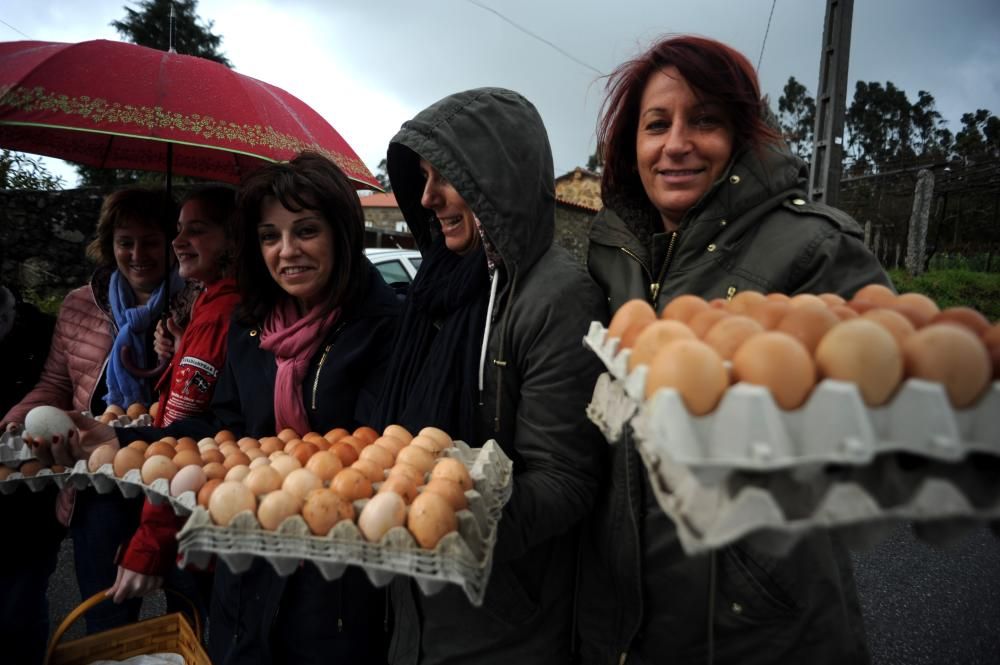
491,145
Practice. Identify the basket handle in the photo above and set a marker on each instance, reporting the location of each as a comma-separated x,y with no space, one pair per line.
99,598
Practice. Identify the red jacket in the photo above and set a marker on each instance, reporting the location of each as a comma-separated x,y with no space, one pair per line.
191,378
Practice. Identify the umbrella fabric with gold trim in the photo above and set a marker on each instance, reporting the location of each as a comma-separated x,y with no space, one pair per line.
117,105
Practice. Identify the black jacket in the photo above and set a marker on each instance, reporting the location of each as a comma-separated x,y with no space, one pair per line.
490,144
640,595
258,616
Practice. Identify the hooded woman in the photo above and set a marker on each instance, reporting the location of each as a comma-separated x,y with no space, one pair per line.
491,350
701,197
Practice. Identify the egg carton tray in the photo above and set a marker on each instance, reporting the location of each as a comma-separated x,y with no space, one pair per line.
464,557
861,505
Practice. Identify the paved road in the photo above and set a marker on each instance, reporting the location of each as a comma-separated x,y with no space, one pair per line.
923,604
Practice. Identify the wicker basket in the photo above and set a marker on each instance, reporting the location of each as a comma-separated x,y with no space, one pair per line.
169,633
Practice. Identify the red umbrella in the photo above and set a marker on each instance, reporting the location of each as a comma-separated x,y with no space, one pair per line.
117,105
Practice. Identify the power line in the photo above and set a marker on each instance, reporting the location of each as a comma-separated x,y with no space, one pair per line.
14,29
760,58
536,36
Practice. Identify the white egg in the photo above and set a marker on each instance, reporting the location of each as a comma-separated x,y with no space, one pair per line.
45,421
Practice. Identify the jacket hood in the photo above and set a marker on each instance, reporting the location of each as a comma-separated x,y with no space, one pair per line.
491,145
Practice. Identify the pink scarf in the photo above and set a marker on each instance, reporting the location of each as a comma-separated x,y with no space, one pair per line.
293,340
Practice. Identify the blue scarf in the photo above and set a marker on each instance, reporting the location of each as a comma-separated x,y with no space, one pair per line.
134,322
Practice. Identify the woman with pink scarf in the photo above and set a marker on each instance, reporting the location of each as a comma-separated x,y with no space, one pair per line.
307,349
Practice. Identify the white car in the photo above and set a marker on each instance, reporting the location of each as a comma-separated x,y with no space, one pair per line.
396,265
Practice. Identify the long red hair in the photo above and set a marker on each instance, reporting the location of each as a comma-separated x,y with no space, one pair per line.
712,69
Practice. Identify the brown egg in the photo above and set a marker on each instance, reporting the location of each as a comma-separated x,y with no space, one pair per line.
769,313
694,369
228,500
832,299
212,456
347,453
254,453
225,435
682,308
336,434
365,434
115,409
323,509
779,297
844,312
127,459
630,314
290,445
379,455
316,439
229,448
416,456
30,468
875,294
452,469
154,410
391,443
285,464
236,459
58,468
372,471
439,435
276,507
357,444
325,464
259,460
101,455
744,300
351,484
5,471
108,418
450,490
779,363
991,338
141,446
271,444
702,322
430,519
952,356
262,480
135,410
427,443
185,444
657,335
632,333
408,470
385,511
238,473
729,334
862,352
157,466
808,323
248,443
398,432
965,316
160,448
917,307
304,451
897,324
401,485
187,458
214,470
288,434
300,482
205,493
806,299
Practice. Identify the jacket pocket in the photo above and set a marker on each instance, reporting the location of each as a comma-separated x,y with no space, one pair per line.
506,600
747,591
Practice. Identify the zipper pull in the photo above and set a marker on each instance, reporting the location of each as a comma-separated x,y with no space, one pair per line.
655,290
730,292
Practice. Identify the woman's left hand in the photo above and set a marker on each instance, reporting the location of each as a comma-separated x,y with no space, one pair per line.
130,584
81,441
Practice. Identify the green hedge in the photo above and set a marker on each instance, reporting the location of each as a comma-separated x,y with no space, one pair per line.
950,288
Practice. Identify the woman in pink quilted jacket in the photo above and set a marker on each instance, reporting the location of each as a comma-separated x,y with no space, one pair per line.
84,371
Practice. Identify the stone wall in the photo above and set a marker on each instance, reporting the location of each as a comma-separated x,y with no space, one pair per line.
43,238
573,229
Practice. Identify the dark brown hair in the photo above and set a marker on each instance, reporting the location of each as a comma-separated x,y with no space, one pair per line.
150,206
712,69
219,203
308,182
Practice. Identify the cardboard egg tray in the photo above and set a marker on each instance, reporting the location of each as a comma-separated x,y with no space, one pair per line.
751,470
463,558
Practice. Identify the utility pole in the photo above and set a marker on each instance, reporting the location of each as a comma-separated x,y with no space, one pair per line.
831,103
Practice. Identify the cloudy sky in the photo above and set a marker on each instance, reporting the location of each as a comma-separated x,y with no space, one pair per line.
369,66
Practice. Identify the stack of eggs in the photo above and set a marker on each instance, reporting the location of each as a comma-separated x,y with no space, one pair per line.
315,476
133,412
787,344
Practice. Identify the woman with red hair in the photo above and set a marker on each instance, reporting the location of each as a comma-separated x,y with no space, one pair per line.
702,197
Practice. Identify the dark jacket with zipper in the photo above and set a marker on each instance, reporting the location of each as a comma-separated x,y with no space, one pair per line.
259,617
490,144
642,599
